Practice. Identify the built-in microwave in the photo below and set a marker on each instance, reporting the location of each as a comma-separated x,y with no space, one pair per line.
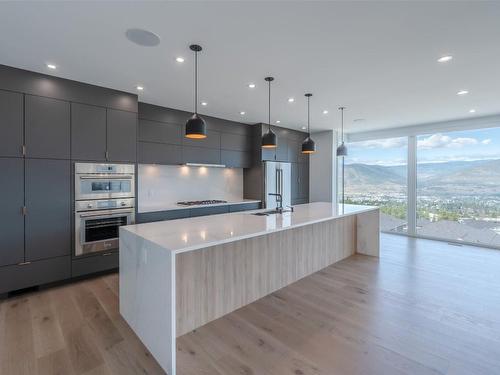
104,181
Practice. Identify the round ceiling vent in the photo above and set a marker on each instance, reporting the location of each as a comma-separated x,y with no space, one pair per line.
142,37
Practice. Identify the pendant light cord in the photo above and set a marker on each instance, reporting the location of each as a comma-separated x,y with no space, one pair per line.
196,82
308,117
269,103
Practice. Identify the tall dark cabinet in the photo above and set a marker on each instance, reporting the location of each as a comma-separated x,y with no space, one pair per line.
11,124
12,219
48,209
43,128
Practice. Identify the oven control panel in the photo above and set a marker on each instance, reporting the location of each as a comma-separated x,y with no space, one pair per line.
104,204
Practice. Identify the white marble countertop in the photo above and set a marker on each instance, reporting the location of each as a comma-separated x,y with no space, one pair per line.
173,206
200,232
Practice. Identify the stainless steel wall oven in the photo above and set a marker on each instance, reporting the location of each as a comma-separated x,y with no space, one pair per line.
104,201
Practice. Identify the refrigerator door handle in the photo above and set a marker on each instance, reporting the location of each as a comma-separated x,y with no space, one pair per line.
281,181
277,183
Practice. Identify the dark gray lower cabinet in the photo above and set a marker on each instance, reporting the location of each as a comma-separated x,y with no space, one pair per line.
11,123
158,153
148,217
95,263
200,155
121,135
35,273
11,219
48,219
202,211
244,207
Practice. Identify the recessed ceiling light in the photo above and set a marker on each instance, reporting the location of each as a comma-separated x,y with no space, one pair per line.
278,121
251,85
242,113
304,128
445,58
325,112
462,92
291,100
51,66
204,103
472,110
179,59
140,88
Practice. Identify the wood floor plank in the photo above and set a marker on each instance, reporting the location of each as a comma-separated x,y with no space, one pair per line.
47,333
19,354
55,363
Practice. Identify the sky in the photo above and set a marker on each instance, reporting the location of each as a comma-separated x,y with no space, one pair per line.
479,144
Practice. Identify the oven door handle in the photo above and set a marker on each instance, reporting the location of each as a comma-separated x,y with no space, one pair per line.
108,213
123,177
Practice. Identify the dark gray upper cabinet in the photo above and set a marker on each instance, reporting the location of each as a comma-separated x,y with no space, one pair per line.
48,219
211,141
236,159
282,150
158,153
235,142
88,132
121,135
11,123
160,132
47,128
200,155
11,220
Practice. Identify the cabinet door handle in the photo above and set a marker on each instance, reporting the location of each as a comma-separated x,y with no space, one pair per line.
24,211
23,150
23,263
106,154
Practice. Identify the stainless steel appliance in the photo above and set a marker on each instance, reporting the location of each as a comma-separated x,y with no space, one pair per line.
278,182
104,201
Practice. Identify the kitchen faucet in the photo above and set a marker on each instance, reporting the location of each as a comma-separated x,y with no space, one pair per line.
279,209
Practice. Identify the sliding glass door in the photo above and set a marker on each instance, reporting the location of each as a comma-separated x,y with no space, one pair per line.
458,186
376,175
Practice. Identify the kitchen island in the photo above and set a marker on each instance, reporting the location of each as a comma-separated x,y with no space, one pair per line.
178,275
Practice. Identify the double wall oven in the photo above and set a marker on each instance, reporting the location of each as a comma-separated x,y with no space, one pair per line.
104,201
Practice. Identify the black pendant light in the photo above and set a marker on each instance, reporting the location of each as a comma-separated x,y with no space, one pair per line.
195,126
269,139
342,149
308,146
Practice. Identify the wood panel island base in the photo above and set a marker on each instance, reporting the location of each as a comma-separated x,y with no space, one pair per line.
178,275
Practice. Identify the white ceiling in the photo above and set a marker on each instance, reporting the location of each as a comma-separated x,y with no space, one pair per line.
376,58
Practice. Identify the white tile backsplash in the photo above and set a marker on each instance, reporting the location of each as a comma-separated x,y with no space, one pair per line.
163,185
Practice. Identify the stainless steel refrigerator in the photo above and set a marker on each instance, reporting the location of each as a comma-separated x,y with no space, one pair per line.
278,180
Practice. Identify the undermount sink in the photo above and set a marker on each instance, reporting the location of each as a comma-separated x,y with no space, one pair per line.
270,212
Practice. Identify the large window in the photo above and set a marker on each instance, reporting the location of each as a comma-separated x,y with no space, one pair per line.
376,175
442,185
458,186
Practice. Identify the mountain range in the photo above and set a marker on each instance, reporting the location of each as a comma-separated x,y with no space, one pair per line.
455,177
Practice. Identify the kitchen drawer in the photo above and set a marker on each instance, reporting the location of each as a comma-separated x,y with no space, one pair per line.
94,263
148,217
35,273
244,207
202,211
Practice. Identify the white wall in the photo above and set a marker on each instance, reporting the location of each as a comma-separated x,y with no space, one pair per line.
323,168
162,186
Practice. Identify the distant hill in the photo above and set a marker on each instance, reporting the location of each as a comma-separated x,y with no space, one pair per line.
457,177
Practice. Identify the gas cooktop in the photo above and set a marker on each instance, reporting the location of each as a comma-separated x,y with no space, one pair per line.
200,203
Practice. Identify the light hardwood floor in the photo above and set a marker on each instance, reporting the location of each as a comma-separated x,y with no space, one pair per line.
424,307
